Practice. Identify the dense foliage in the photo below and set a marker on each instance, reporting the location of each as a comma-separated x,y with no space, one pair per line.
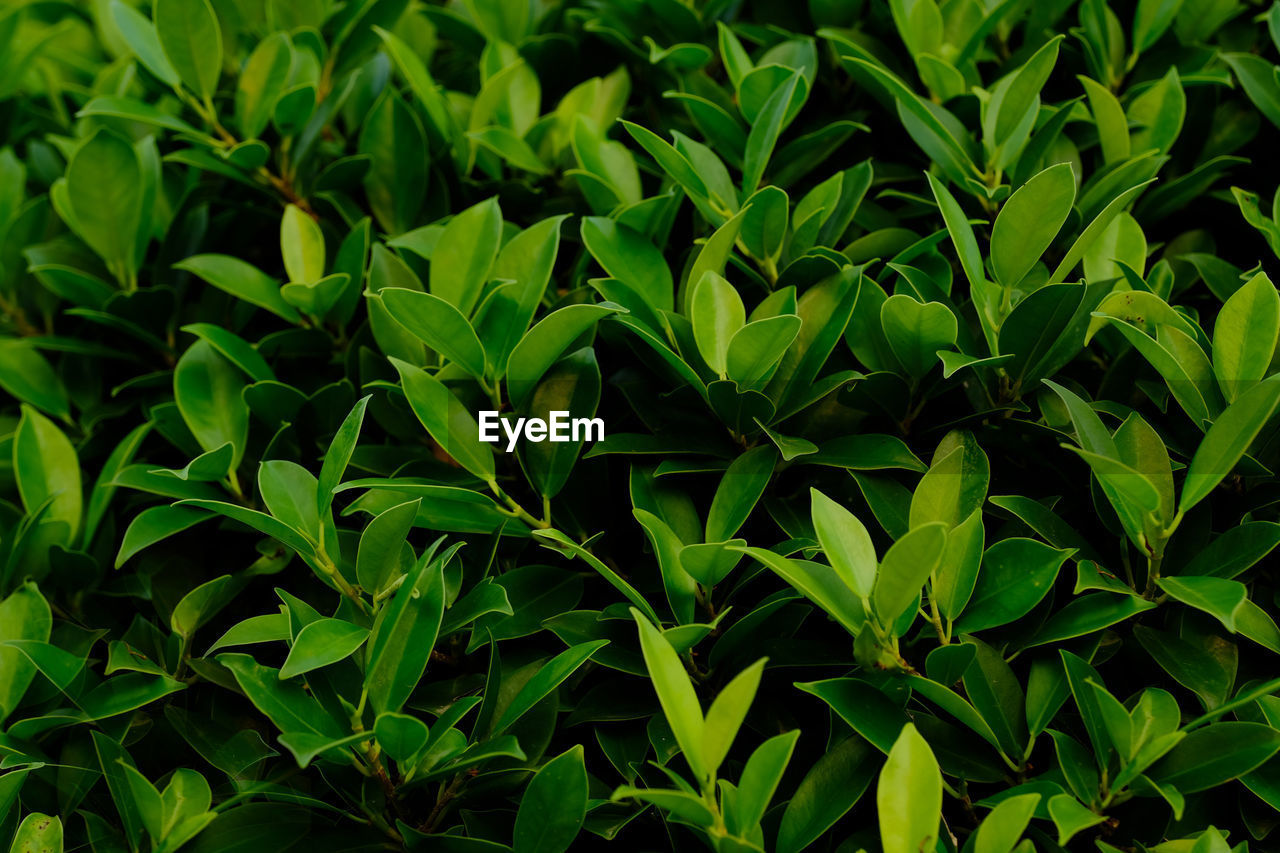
935,347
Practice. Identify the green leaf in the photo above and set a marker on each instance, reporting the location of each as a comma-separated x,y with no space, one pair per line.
147,798
424,88
24,616
306,747
527,259
302,245
675,693
548,677
684,805
1016,574
322,643
909,795
397,181
1227,440
46,469
140,34
382,551
572,385
289,492
465,255
966,245
957,575
438,324
261,83
739,491
916,331
1257,78
1235,551
339,454
1215,754
1220,598
208,390
766,129
192,42
1109,117
1010,104
819,583
105,196
556,540
912,108
632,259
202,603
764,223
38,833
1087,614
846,543
671,160
758,347
760,778
828,791
906,566
27,375
286,704
405,633
1003,826
449,422
553,806
131,110
241,280
1094,230
544,344
400,735
235,349
995,692
1128,483
1028,222
1159,112
1245,336
1151,19
955,484
717,314
153,524
726,714
1070,817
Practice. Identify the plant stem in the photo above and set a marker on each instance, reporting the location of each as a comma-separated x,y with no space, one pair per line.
517,510
934,616
447,794
1153,571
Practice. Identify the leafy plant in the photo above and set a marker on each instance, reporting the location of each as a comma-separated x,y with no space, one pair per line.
935,344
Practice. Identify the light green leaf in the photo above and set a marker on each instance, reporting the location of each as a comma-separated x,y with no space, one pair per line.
717,315
192,42
727,712
1028,222
321,643
909,795
46,469
846,543
208,390
447,421
675,693
302,245
438,324
1245,336
1227,440
906,566
465,254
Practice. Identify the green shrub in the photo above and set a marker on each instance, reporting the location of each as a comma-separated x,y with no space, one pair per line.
916,361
